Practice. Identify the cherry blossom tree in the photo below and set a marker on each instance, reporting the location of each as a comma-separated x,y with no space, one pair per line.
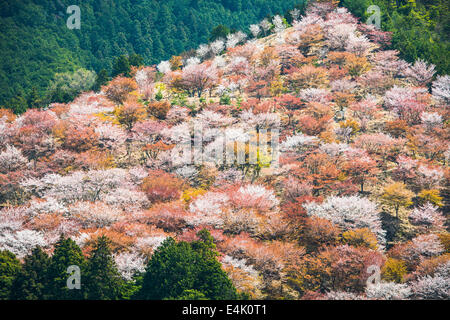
441,89
421,73
22,242
89,186
11,159
265,25
161,186
408,103
130,113
197,78
431,120
202,50
429,177
388,291
255,30
427,217
349,212
95,215
217,46
435,287
164,67
361,170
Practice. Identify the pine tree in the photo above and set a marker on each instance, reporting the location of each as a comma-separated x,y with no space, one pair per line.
121,66
67,253
176,268
136,60
102,78
218,32
32,282
9,269
102,281
33,99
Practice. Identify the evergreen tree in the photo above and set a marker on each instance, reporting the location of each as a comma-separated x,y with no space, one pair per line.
32,281
33,99
102,79
9,269
190,295
102,281
175,268
218,32
58,94
67,253
158,47
121,66
136,60
17,104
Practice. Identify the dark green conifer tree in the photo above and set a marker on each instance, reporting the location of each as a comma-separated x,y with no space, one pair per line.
102,281
32,282
67,253
178,267
33,99
218,32
102,79
121,66
9,269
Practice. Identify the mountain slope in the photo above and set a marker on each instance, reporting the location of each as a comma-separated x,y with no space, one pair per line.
421,28
35,42
315,157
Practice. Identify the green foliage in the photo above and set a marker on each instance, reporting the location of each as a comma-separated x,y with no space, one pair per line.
219,32
36,43
17,104
66,253
33,99
122,64
44,278
9,269
179,99
420,28
225,99
176,268
102,281
159,96
32,281
136,60
66,86
102,79
121,67
190,295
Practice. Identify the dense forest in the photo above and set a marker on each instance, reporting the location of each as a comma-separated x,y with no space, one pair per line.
36,43
420,28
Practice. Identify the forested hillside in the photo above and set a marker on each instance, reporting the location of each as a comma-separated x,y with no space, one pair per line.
35,42
307,160
421,28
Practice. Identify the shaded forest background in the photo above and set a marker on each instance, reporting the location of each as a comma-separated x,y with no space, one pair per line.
36,44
